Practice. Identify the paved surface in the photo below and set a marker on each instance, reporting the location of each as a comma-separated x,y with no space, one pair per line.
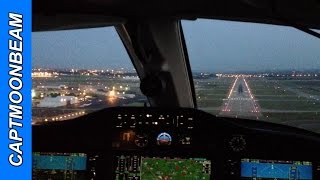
240,101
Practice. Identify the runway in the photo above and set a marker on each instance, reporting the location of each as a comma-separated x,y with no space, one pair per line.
240,102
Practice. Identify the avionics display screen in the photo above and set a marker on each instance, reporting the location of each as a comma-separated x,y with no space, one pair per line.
163,168
274,169
59,165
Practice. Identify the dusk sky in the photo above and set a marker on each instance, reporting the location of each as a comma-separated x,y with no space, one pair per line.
212,46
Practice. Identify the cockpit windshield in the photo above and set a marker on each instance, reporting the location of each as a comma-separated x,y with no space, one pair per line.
243,70
255,71
77,72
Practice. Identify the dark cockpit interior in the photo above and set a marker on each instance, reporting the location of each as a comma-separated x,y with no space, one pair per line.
145,141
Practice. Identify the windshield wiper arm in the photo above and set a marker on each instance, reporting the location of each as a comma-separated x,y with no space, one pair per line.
309,31
299,27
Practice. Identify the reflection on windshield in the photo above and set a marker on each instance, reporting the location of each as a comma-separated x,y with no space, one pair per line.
62,90
254,71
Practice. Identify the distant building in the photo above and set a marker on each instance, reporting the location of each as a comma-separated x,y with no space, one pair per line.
57,101
42,74
120,94
125,96
131,77
52,87
97,92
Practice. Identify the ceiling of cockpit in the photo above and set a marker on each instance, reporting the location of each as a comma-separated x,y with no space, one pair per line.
71,14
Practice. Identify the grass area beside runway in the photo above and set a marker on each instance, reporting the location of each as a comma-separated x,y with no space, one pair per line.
211,92
271,96
263,87
311,87
302,105
283,117
280,105
304,120
280,98
210,103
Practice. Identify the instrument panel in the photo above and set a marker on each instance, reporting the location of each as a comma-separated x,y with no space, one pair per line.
147,146
154,143
150,130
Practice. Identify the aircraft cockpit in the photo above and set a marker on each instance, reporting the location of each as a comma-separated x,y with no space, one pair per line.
184,90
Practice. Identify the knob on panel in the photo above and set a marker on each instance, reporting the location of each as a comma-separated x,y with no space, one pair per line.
237,143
